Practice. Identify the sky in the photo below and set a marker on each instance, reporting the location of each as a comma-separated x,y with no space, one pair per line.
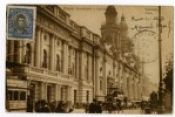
136,16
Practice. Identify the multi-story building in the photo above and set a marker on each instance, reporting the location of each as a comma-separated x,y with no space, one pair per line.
69,62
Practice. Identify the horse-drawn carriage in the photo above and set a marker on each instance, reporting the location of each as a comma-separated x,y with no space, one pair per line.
113,104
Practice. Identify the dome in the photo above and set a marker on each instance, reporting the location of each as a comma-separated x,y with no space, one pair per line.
123,24
111,10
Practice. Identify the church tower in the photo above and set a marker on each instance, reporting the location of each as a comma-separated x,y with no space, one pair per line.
123,27
110,31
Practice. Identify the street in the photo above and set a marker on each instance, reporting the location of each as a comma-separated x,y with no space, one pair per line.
126,111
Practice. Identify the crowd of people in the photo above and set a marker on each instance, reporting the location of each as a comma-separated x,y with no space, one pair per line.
94,107
42,106
99,107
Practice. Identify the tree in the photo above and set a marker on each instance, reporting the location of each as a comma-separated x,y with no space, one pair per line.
168,83
168,76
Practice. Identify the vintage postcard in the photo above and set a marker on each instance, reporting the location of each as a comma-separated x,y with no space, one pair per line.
20,22
89,59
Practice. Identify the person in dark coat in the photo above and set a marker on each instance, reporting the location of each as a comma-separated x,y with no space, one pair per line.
92,106
87,108
46,108
39,105
142,105
95,107
52,106
98,107
60,108
29,104
42,107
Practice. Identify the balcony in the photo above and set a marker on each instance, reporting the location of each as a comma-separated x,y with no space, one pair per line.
41,74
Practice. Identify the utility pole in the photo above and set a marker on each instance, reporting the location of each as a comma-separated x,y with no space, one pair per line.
142,77
160,60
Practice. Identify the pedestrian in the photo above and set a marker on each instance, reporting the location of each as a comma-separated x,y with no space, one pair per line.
60,108
87,108
92,106
142,106
29,104
95,107
39,106
98,107
71,107
46,108
153,101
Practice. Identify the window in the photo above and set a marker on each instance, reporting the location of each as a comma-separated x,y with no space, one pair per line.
100,85
58,63
27,57
44,59
86,66
16,95
23,95
101,71
75,96
87,96
10,95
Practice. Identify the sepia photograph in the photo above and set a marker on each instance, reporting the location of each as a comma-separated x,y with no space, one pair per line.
93,59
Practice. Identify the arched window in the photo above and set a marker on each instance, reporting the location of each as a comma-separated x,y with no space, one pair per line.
69,60
58,63
44,59
27,57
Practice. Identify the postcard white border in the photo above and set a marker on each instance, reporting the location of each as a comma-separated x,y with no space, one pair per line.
3,5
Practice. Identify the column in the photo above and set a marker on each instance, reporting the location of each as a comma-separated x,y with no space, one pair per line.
57,92
81,78
21,51
90,68
97,81
52,46
77,64
37,48
81,65
104,76
43,92
65,57
32,53
41,47
69,94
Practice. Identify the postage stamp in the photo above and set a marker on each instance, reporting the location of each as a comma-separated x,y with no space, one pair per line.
21,22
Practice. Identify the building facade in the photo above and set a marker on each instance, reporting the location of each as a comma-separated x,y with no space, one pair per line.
69,62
